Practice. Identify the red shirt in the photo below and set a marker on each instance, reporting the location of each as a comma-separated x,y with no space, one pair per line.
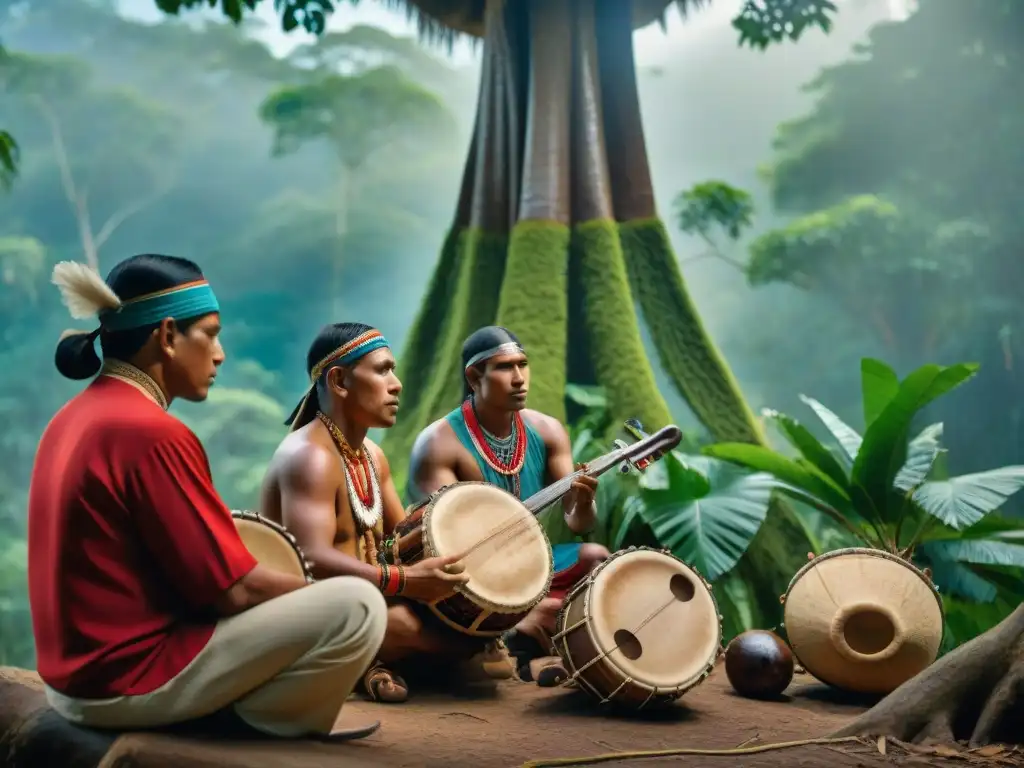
128,545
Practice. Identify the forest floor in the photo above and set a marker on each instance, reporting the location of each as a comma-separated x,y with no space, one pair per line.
513,723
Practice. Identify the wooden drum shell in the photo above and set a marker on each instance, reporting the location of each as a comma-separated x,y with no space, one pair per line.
284,553
597,673
466,611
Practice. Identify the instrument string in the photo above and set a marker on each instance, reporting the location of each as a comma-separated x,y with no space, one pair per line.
506,533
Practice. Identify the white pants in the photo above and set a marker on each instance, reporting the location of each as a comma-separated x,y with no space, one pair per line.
287,666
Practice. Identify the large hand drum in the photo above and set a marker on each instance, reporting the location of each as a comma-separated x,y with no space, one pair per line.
863,619
641,630
271,545
509,559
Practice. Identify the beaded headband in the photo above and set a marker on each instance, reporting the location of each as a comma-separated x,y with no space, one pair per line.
361,345
182,301
507,348
346,354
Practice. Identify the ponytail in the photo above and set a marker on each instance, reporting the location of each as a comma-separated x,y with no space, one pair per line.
75,356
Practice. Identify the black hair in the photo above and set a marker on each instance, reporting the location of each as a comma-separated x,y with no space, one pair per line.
136,276
329,339
479,341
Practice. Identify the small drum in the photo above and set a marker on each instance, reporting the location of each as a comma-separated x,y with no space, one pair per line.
642,629
271,544
863,619
509,559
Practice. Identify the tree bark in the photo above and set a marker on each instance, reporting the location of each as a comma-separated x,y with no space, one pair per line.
556,236
975,694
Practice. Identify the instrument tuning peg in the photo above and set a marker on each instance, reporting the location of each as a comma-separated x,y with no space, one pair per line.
637,432
625,466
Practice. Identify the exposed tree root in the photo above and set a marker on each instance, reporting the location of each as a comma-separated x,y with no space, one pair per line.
972,694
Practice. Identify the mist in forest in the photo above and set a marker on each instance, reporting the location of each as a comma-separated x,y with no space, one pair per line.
871,234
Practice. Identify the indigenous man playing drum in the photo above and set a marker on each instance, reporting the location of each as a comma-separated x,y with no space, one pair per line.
147,607
494,438
332,489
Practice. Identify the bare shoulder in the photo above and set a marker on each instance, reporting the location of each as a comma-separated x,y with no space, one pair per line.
435,443
379,458
550,428
302,462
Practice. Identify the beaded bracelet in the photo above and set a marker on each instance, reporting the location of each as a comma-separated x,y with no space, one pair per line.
392,580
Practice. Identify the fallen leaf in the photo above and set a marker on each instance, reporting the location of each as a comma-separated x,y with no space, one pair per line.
881,745
942,751
990,751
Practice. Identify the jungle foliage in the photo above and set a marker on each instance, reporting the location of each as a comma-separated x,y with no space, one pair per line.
896,238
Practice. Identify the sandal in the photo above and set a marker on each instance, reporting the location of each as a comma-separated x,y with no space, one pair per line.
496,662
382,685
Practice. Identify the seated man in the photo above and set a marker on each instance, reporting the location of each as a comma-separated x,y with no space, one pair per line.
478,441
147,608
332,489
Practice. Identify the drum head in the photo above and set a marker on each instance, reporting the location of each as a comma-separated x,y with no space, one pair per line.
863,620
510,564
682,633
269,547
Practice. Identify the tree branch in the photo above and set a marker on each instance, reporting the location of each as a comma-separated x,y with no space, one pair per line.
76,199
120,216
714,252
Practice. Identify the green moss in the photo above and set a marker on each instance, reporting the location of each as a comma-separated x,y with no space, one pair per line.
534,305
462,296
610,323
687,353
689,356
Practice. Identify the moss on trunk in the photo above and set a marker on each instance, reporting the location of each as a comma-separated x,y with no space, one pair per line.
556,236
687,353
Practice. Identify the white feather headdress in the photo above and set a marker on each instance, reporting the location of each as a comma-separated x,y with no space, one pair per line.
82,289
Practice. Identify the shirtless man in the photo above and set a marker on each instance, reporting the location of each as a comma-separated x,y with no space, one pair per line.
478,441
332,489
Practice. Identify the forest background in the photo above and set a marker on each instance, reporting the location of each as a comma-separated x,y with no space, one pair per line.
880,161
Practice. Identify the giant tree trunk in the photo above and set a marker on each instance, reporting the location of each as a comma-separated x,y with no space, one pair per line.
556,235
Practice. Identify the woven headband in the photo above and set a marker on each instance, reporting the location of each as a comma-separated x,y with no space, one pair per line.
507,348
181,302
346,354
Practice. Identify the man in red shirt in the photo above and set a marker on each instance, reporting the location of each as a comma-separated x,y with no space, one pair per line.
147,608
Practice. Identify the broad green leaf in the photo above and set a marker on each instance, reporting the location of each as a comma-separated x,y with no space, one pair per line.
952,577
737,605
847,438
631,514
581,444
884,450
809,447
965,620
588,397
921,454
989,527
979,552
677,474
879,385
712,531
962,501
805,478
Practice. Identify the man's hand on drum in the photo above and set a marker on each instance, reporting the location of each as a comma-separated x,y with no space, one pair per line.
434,578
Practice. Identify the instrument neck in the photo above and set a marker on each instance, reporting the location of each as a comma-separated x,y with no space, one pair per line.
554,492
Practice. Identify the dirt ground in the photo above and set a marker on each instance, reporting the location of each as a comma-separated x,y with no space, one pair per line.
514,723
510,724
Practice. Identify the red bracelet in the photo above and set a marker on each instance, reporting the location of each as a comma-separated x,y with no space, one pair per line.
391,585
